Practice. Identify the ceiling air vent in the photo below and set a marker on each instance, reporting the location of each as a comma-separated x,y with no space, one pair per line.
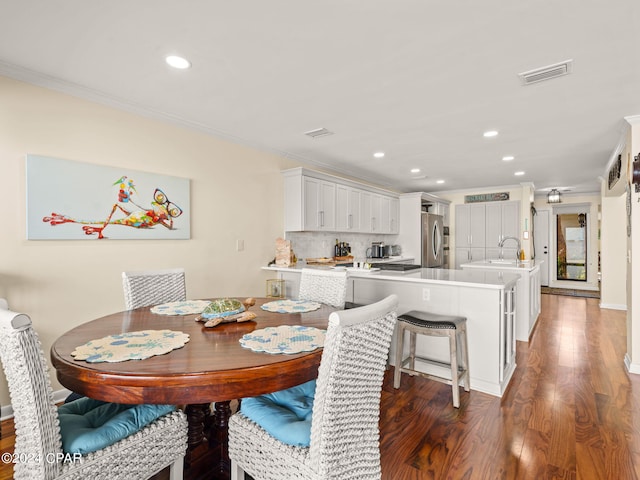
546,73
318,132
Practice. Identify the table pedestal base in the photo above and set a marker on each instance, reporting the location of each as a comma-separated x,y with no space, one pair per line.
211,432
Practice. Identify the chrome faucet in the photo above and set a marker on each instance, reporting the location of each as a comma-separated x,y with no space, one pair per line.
501,245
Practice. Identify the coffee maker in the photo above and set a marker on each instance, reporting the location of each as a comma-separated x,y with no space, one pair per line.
377,250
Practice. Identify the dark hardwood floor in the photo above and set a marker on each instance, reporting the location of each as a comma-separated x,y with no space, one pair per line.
571,411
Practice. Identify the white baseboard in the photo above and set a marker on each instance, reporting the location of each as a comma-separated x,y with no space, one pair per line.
613,306
631,367
6,411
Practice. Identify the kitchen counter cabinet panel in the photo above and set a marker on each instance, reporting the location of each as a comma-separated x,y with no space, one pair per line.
489,326
487,299
527,291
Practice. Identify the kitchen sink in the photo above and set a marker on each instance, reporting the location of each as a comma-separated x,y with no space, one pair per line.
508,262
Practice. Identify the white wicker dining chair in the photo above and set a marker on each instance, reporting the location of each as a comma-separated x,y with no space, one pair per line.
345,434
38,450
324,286
153,287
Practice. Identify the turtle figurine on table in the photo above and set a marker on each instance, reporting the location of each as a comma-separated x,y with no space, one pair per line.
226,310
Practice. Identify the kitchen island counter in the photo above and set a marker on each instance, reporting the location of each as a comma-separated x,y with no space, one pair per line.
527,289
485,298
478,279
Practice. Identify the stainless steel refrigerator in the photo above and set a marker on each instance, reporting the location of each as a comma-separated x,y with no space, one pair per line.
432,241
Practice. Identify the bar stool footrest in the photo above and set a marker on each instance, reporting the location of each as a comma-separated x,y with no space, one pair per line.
461,370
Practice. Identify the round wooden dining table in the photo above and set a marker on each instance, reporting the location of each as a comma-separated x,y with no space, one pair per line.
211,367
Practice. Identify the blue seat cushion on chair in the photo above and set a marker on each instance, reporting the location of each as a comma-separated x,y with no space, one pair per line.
88,425
286,414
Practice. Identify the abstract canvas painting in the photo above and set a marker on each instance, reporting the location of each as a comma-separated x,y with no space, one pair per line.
69,200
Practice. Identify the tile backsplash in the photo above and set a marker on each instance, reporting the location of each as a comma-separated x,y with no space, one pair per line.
321,244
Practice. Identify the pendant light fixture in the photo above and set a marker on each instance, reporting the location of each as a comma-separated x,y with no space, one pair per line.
582,220
553,196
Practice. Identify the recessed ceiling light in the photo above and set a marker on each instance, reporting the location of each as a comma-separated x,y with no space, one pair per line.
177,62
378,154
508,158
415,170
490,133
439,181
518,174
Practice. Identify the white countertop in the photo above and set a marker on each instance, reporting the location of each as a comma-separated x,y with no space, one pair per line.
464,278
527,265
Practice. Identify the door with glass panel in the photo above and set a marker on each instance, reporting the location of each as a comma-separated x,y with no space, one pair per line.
571,246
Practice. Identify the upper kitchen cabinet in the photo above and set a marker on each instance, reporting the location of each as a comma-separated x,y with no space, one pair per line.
470,233
502,221
315,201
394,215
366,218
319,211
347,209
384,214
470,225
309,203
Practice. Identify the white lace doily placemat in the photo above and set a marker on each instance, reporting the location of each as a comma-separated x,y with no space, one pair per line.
187,307
291,306
130,346
284,339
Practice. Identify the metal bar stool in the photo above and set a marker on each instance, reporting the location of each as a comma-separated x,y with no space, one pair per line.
431,324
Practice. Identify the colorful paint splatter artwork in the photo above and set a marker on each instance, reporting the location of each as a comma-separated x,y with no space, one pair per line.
129,209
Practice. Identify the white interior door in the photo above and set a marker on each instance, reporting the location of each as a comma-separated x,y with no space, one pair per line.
541,242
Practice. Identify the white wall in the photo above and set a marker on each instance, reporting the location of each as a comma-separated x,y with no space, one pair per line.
613,252
236,194
633,271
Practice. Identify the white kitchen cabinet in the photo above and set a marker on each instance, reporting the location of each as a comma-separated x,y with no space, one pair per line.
394,215
383,214
315,201
470,225
376,205
502,220
347,209
319,197
468,254
365,212
469,233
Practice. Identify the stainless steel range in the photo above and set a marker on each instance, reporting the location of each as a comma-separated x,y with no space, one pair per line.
402,267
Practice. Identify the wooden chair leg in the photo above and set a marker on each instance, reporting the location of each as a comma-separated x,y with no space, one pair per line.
176,470
236,472
412,350
454,368
465,357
